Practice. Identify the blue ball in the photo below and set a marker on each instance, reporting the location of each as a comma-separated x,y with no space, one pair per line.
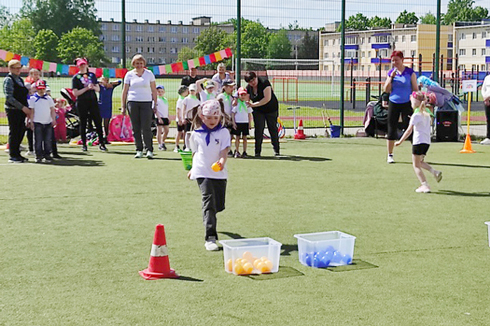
308,259
325,260
347,259
317,262
337,257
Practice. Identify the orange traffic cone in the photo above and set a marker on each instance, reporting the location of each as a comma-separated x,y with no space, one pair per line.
159,266
300,133
467,145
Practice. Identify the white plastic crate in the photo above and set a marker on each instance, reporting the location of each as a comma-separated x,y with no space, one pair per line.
488,224
323,249
252,251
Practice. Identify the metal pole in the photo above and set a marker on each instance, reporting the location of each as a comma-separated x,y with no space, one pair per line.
238,43
438,40
123,14
342,68
380,66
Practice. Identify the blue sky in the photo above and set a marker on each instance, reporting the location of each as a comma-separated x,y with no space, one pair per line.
272,13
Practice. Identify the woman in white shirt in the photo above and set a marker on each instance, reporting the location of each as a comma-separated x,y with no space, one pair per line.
139,96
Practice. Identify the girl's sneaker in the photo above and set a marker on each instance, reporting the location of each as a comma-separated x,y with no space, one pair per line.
160,147
237,154
176,149
164,147
211,245
438,176
423,189
244,154
390,159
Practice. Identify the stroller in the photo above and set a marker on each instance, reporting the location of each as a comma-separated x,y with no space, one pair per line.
376,116
71,116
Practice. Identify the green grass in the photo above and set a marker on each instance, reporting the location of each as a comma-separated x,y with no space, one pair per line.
76,233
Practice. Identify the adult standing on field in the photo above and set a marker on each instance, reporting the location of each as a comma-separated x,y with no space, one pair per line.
16,107
220,77
400,84
265,110
84,85
190,79
139,96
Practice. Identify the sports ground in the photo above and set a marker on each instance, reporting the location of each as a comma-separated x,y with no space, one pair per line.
75,233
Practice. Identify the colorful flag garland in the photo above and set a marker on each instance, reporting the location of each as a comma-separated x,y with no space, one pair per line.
116,72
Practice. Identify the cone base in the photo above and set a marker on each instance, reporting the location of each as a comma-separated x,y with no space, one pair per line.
147,275
300,135
467,151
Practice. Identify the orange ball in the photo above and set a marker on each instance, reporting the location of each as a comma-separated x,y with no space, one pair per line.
248,268
216,167
248,256
264,258
229,265
256,262
268,263
264,268
238,269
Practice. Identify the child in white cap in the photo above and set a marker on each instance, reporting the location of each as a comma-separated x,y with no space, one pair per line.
210,143
209,92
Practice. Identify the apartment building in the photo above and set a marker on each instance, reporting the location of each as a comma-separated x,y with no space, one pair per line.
473,45
159,42
365,49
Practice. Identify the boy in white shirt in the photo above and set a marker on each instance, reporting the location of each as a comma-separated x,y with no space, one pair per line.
242,120
209,92
44,119
179,115
162,118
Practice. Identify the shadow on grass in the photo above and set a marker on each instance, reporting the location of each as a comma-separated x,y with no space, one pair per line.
293,158
462,194
68,161
452,164
283,272
188,279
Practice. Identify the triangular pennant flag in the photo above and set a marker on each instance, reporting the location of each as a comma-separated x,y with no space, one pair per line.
190,64
32,63
46,66
119,73
9,56
228,52
174,67
92,69
59,68
197,62
3,55
65,69
207,59
202,62
212,57
73,70
112,72
185,66
161,69
16,57
168,69
52,67
105,72
98,72
218,57
39,64
180,66
223,55
23,61
156,70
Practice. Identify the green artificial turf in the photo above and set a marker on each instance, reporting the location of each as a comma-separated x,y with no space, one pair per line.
74,235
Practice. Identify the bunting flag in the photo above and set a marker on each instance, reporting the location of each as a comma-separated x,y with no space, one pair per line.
116,72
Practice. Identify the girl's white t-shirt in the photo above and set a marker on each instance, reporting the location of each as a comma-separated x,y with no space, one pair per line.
240,115
226,103
421,128
190,103
162,108
205,96
139,87
205,155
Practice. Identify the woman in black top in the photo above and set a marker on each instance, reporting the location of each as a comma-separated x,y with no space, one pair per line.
265,109
84,86
16,108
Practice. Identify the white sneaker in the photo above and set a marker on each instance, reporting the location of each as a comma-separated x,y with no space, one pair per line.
30,153
390,159
485,141
139,154
176,149
438,176
149,155
211,246
423,189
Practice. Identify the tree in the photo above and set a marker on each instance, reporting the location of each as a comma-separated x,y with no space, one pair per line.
61,16
81,42
186,53
309,47
45,44
428,18
255,38
407,18
210,40
462,10
359,22
5,16
376,21
279,46
18,38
